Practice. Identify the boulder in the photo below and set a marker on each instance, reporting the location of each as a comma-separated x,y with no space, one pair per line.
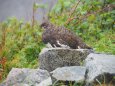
25,77
100,68
52,58
72,73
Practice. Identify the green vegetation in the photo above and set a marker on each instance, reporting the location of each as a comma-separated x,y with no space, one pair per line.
20,43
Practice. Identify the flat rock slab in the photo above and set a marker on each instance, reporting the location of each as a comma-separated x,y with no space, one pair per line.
72,73
52,58
25,76
100,64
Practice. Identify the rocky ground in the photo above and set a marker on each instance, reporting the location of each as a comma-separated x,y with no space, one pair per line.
60,64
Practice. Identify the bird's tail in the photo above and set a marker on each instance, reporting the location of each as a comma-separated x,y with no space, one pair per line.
84,46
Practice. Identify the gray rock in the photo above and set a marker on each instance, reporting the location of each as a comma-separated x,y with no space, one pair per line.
96,69
46,82
52,58
99,65
72,73
25,77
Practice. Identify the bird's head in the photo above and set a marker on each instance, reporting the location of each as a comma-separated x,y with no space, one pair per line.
44,25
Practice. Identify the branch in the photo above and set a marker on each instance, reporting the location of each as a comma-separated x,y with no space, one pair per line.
106,8
72,11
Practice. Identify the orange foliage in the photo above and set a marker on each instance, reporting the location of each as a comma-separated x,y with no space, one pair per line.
2,62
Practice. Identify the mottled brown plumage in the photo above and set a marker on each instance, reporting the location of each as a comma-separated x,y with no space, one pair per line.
58,36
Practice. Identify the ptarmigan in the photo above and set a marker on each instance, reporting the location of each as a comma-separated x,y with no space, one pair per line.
59,36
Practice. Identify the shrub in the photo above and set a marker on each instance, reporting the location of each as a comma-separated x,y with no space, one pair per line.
20,44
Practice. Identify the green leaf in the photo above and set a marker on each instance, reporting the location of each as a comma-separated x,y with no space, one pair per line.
67,3
91,18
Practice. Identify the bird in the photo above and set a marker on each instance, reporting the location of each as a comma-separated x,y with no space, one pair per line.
59,36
